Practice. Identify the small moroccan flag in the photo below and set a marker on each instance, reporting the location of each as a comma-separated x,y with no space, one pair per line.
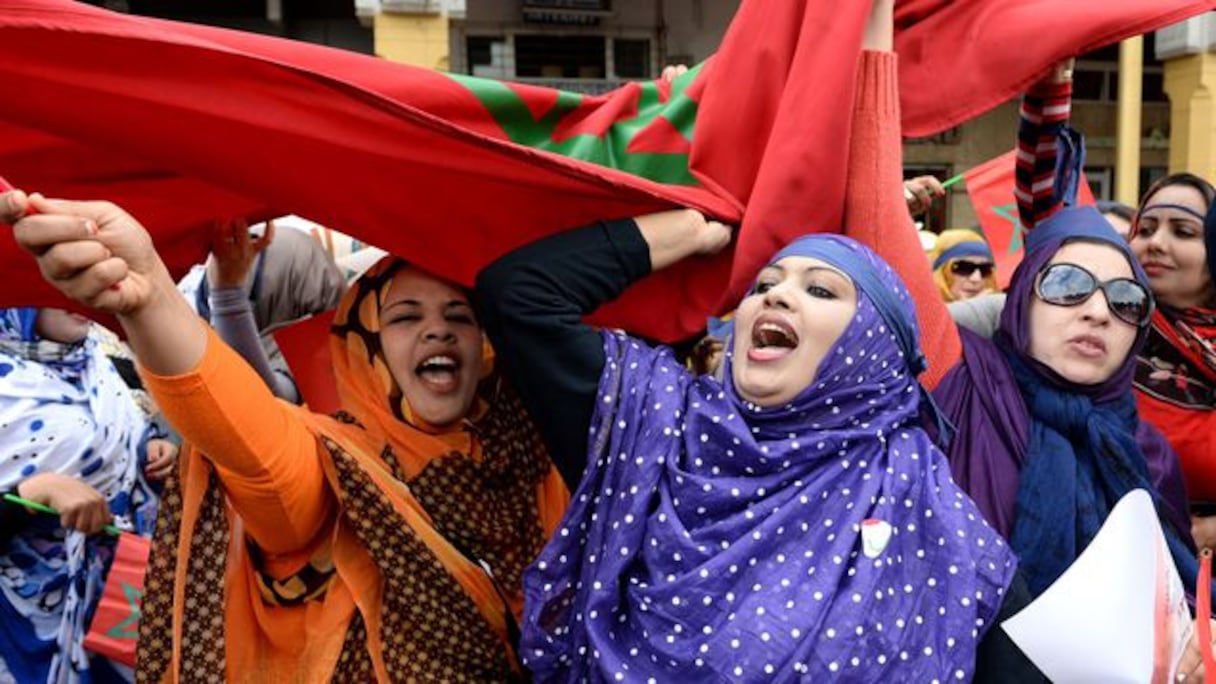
115,627
990,186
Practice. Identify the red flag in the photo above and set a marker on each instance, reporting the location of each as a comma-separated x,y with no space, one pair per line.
304,346
990,187
961,58
115,626
183,123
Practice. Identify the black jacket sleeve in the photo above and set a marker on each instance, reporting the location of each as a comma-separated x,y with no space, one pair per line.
999,660
532,302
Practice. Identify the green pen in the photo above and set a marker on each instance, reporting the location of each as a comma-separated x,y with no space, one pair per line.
33,505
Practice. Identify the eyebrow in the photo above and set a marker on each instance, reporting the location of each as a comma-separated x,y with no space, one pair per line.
811,269
808,269
414,302
1187,214
827,269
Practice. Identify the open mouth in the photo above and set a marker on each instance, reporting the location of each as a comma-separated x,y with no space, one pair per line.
440,372
771,338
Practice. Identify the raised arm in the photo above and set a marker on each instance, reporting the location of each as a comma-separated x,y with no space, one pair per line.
1041,118
876,211
233,255
265,454
532,302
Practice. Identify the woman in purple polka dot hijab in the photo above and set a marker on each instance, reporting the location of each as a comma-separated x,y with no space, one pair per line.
790,521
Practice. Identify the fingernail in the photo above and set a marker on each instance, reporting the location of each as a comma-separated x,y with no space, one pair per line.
90,226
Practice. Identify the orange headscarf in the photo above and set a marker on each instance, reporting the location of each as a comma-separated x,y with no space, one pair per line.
370,394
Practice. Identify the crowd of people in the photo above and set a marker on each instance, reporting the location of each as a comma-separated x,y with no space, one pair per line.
866,466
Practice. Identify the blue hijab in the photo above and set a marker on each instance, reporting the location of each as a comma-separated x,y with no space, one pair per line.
714,539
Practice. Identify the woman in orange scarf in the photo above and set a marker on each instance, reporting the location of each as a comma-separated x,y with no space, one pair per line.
386,542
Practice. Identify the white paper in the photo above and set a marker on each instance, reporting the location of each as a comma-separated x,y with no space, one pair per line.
1118,614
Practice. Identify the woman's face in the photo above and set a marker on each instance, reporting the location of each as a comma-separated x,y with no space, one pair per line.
61,326
1086,343
1169,245
785,327
968,277
432,344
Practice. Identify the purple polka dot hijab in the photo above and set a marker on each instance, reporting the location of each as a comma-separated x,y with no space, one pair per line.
713,539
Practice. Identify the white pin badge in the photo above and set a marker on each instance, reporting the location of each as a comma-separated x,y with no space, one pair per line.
875,535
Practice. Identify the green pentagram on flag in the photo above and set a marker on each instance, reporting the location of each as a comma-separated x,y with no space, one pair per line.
1009,212
128,628
605,143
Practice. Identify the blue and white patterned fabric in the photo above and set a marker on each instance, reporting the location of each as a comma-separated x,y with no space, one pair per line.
63,409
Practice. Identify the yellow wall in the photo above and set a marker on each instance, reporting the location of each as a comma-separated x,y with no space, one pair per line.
1190,83
418,39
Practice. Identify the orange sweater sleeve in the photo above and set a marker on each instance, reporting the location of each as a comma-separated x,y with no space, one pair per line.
263,450
877,214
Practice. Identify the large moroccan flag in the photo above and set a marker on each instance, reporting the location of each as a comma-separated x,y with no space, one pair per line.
990,188
183,123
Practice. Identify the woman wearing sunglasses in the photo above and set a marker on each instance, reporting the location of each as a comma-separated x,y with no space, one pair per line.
1176,372
963,266
1047,437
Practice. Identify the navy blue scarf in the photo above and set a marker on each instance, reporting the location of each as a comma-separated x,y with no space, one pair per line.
1082,457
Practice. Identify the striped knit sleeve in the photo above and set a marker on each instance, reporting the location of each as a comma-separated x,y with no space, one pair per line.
1044,113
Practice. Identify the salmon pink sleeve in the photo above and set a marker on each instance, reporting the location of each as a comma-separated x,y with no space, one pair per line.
876,212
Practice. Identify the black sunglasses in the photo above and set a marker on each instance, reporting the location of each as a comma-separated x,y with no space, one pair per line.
966,268
1071,285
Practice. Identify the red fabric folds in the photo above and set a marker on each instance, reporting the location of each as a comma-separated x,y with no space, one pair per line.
183,123
959,58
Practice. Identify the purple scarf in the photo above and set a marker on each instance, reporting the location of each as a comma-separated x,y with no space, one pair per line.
713,539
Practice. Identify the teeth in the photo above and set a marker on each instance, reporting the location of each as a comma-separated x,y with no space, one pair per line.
438,363
774,335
